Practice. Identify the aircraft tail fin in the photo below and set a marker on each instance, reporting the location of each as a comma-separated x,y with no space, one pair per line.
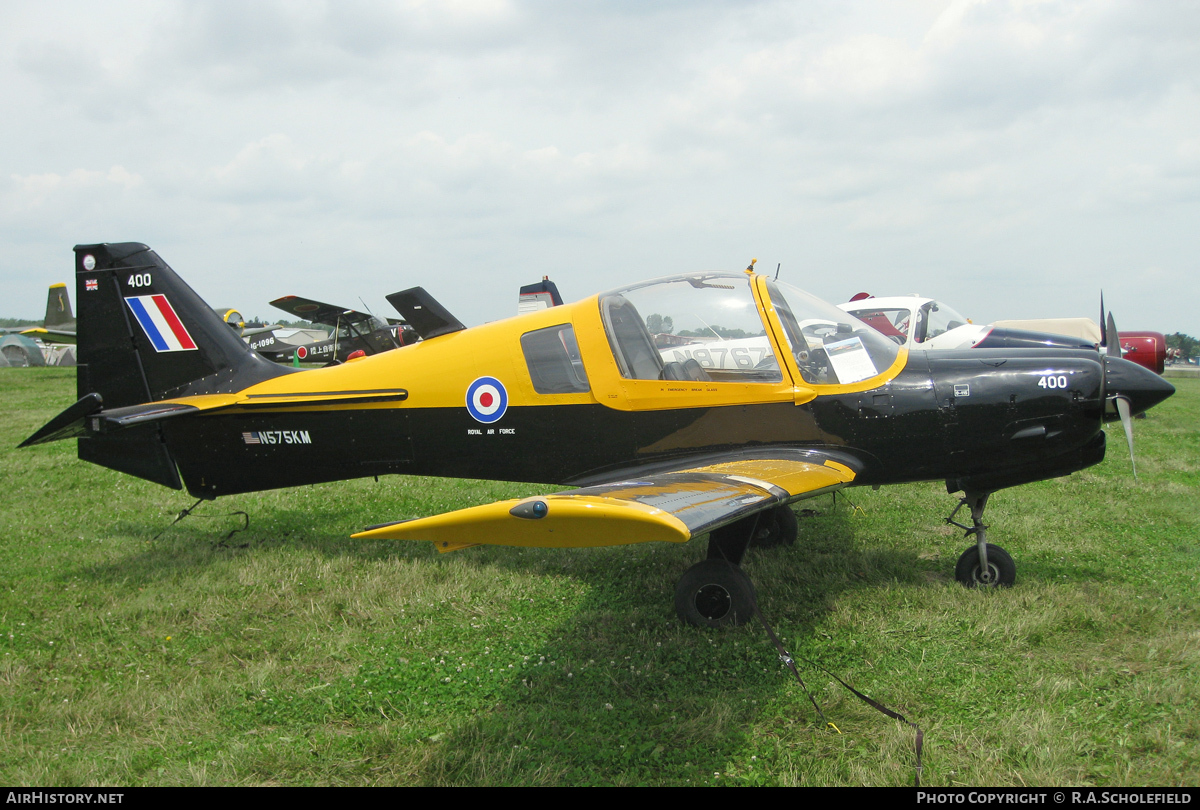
541,295
58,307
144,335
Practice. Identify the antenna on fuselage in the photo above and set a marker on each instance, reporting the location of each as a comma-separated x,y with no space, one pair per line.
777,270
709,328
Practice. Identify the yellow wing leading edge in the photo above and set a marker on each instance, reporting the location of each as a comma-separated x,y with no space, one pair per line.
673,507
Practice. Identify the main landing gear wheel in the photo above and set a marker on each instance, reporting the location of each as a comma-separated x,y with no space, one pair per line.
715,593
1001,570
776,528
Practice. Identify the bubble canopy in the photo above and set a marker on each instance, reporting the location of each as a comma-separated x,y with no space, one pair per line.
709,327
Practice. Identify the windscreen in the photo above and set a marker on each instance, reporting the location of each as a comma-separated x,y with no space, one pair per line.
831,347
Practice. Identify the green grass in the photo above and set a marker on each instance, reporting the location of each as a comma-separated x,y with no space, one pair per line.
292,655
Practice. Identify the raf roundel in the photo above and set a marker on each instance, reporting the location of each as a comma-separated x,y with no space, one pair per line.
487,400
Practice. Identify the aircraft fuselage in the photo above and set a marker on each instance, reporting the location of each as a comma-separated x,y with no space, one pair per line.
1001,419
578,394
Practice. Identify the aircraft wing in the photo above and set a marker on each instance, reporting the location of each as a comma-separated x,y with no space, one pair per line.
319,312
668,506
254,331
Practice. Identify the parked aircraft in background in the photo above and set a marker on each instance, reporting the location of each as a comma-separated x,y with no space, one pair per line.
245,330
281,344
59,324
1147,349
924,323
580,395
542,295
354,333
928,324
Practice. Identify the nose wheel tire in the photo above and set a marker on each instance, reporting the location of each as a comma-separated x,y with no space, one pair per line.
1001,573
715,593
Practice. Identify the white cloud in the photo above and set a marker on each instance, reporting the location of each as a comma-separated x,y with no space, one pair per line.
992,153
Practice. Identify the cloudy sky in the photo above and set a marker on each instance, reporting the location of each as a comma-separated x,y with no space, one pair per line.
1010,158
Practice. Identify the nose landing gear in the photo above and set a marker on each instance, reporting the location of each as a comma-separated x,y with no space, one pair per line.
982,565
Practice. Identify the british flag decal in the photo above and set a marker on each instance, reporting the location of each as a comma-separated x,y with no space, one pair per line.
160,323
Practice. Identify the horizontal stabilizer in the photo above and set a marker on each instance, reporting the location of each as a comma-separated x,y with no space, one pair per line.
119,418
68,424
87,418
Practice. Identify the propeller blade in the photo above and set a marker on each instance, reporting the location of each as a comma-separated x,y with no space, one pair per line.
1103,315
1113,343
1127,423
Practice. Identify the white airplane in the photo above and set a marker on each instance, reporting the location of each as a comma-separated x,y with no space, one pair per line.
917,322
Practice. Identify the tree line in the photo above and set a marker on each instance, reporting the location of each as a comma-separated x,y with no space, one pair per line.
1188,346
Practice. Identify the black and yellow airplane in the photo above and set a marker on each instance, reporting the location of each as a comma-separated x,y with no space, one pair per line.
742,396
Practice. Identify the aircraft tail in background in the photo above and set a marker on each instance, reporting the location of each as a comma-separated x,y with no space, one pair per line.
58,308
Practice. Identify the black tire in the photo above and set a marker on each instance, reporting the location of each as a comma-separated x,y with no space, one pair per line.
1001,567
715,593
776,528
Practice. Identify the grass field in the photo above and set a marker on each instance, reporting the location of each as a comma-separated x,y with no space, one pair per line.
292,655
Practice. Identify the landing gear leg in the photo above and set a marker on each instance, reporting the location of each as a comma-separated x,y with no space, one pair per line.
730,542
983,565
